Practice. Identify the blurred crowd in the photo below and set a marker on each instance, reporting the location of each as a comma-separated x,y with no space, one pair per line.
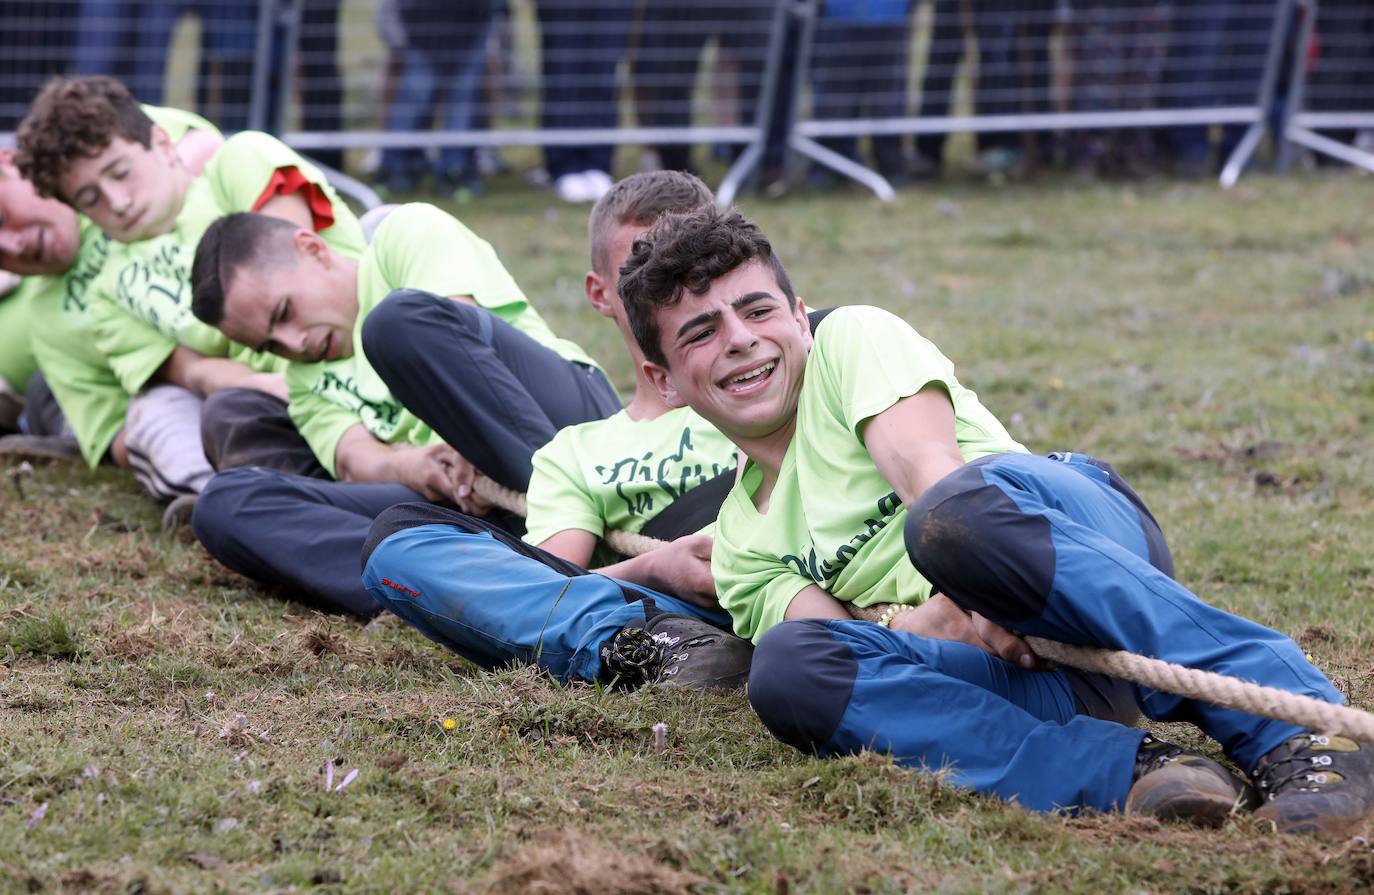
458,67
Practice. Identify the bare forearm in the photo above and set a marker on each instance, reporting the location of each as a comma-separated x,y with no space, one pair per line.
812,602
360,457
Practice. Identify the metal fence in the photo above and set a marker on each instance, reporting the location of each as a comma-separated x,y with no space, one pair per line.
1333,82
869,89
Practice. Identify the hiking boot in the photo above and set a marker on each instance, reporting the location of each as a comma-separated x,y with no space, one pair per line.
1317,785
39,447
677,651
1173,783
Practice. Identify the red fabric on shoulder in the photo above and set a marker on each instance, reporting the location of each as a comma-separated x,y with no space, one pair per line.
286,181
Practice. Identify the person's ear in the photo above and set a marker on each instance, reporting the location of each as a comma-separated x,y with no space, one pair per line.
160,142
663,384
598,295
308,244
799,314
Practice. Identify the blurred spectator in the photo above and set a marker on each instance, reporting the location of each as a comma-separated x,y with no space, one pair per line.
859,70
581,44
1217,59
1342,78
1012,77
671,38
441,70
36,38
321,87
1118,52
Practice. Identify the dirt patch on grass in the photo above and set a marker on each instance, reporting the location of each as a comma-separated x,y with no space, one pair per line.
571,864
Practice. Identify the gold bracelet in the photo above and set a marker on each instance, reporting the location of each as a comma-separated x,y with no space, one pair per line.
892,612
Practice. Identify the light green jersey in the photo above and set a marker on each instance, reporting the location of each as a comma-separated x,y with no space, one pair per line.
619,473
77,371
17,363
141,301
419,247
832,519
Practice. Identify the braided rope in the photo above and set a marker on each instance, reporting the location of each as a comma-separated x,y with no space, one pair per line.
1217,689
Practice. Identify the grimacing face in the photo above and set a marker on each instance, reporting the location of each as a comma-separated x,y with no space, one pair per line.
736,355
303,308
37,236
131,192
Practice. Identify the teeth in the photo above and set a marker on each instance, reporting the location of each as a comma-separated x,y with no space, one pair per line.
757,371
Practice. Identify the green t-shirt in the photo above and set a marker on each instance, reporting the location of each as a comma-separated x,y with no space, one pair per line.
832,519
77,371
620,473
17,363
420,247
142,299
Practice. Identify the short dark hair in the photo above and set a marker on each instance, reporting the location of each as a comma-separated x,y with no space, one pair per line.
685,253
641,199
227,246
75,118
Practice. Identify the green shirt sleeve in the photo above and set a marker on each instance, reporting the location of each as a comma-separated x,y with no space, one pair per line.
871,359
421,247
557,498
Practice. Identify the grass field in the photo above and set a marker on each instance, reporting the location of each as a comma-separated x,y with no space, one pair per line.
176,721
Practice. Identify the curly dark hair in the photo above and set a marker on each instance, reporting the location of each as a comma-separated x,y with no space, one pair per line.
73,118
685,253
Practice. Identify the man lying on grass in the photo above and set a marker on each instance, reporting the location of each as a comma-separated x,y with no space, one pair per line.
411,368
650,468
873,476
77,404
87,142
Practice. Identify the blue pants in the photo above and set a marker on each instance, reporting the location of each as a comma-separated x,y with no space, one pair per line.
495,600
1055,547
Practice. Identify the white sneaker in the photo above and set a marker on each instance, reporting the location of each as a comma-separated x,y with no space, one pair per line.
599,183
573,188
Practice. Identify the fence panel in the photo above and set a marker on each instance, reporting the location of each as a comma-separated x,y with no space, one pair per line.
1334,80
1009,70
429,81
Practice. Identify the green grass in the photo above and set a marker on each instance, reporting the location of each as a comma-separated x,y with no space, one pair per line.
1216,347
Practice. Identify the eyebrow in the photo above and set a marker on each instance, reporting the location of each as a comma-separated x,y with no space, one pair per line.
709,316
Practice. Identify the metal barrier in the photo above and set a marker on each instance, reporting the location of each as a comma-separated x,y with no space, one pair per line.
425,83
1332,98
1092,70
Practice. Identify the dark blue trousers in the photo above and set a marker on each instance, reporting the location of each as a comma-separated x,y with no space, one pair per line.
493,394
1055,547
497,601
304,534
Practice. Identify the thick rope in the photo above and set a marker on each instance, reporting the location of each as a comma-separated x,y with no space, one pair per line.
1217,689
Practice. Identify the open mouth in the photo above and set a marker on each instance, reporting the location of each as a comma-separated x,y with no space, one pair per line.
326,348
39,247
749,380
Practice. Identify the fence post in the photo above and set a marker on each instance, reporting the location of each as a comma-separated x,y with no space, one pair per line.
749,159
262,66
1297,83
810,10
1245,150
